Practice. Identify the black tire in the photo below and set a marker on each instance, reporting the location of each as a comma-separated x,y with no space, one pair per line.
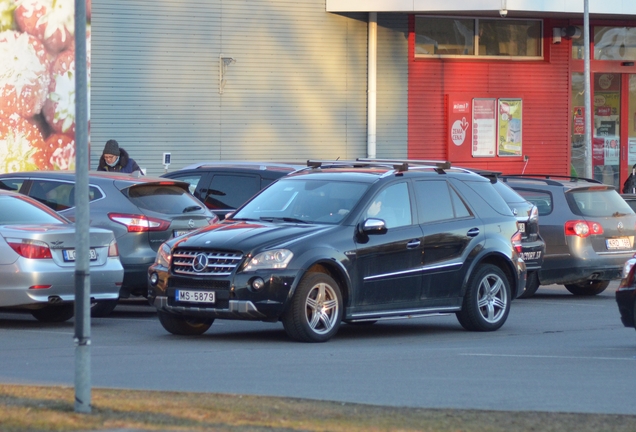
184,326
315,311
57,313
487,300
587,288
532,285
103,308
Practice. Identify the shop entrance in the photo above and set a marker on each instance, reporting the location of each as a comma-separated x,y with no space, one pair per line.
613,126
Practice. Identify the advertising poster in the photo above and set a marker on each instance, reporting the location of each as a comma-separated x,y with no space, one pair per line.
509,127
459,127
631,146
37,84
484,128
579,120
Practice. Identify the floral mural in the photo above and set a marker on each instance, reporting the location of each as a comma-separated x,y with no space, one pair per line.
37,84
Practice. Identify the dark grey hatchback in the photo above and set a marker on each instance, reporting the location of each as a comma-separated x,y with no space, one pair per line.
347,241
588,228
142,211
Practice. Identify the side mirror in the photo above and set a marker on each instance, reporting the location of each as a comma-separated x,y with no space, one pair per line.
372,226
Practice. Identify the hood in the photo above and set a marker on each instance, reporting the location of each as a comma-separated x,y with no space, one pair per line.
248,236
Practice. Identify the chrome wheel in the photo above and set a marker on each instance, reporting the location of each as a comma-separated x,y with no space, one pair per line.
487,300
493,298
315,311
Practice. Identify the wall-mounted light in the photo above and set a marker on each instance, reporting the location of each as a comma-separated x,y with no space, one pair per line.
569,32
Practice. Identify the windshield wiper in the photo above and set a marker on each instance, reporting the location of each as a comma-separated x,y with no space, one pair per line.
284,219
619,214
191,208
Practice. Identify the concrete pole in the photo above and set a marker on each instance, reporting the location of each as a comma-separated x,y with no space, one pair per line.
82,260
589,115
371,84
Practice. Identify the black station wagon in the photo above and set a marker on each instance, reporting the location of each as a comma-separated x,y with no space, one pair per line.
348,241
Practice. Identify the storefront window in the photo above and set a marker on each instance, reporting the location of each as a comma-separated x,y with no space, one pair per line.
615,43
440,37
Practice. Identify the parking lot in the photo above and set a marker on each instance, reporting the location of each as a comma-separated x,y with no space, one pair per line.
556,352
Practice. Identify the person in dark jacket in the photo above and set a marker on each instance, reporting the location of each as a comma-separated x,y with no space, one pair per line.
630,184
115,158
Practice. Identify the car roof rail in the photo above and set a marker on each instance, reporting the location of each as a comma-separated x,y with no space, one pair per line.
547,178
313,164
439,164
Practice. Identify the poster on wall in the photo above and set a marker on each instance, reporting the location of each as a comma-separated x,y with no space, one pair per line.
37,84
484,127
631,153
509,127
579,120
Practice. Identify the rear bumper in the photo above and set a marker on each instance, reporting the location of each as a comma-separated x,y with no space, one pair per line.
562,269
17,292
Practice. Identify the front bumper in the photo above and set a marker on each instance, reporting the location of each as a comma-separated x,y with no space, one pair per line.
235,296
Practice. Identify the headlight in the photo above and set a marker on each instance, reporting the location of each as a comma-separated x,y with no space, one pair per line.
163,256
273,259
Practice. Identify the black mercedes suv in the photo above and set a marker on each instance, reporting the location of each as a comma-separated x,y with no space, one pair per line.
356,241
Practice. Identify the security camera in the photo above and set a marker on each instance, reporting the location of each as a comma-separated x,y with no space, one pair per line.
503,13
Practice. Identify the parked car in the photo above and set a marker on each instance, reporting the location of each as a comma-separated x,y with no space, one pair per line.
626,294
588,228
630,199
37,260
527,214
224,186
348,241
142,211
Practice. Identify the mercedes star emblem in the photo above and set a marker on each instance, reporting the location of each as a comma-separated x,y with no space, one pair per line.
200,262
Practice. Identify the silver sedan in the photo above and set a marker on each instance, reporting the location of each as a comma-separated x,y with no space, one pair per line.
37,260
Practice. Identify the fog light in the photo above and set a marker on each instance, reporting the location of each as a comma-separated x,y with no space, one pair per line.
154,278
257,284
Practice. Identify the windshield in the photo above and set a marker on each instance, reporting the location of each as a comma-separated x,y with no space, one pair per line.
300,200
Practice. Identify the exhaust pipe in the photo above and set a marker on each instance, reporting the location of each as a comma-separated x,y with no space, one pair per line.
55,300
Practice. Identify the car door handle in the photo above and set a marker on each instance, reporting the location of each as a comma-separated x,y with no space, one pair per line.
473,232
413,244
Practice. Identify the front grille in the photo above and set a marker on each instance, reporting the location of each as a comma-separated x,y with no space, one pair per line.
205,263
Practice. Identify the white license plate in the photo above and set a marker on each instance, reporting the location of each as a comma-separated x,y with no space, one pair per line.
178,233
194,296
69,254
618,243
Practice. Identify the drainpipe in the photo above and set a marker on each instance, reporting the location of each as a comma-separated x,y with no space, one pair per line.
371,84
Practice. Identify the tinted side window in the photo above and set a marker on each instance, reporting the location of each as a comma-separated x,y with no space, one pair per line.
11,184
542,200
393,205
58,195
231,191
192,179
486,190
437,202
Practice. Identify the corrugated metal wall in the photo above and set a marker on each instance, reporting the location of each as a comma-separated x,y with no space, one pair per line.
296,90
544,86
392,86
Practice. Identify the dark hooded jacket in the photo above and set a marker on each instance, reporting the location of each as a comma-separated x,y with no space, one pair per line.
125,164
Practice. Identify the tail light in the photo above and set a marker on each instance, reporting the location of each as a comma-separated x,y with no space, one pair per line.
534,214
113,250
581,228
213,220
516,242
139,223
33,249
